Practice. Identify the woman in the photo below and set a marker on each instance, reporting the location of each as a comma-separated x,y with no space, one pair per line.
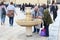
10,13
54,9
3,13
47,20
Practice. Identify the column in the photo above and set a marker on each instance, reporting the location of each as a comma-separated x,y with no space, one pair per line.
55,0
52,0
28,31
43,1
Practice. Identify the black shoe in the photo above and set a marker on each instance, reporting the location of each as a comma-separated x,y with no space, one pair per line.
11,25
34,32
1,23
47,36
37,32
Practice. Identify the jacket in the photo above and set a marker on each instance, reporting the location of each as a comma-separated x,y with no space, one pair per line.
47,18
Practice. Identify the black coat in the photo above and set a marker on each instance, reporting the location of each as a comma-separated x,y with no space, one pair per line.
54,8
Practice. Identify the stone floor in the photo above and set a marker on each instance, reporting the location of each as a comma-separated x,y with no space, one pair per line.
17,32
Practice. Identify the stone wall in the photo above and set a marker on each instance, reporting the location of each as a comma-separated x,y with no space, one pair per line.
28,1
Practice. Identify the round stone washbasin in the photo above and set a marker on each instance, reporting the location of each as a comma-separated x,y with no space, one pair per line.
28,22
23,22
28,25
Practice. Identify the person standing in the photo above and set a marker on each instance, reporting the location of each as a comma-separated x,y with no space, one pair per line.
10,13
47,20
3,13
0,12
54,9
23,7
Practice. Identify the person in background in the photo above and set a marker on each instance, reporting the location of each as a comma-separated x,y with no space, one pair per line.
41,11
54,9
0,12
10,13
35,14
39,6
23,7
3,12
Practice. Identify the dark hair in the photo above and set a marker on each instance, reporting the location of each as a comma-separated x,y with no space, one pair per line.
2,3
44,6
39,6
11,3
53,2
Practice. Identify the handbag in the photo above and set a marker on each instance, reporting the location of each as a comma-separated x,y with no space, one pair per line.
43,32
10,13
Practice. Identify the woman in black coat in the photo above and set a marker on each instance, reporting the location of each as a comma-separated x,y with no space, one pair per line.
54,9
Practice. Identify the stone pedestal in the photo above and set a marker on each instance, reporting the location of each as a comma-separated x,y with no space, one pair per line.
28,31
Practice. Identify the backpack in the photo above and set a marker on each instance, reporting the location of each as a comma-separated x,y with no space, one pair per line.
3,11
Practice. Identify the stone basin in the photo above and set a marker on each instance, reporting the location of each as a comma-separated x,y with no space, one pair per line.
28,25
28,22
23,22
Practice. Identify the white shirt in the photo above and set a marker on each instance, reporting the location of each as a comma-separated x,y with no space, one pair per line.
11,7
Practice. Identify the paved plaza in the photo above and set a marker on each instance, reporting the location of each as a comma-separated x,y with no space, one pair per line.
17,32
